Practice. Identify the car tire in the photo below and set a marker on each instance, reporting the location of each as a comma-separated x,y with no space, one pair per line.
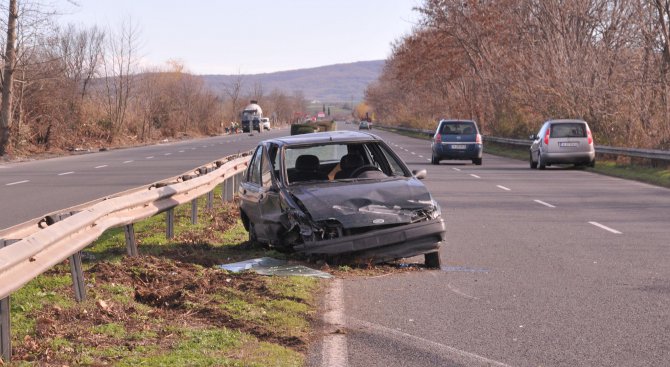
592,164
540,162
477,161
434,160
533,165
432,260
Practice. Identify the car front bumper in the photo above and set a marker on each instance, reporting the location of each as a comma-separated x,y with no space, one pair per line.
384,244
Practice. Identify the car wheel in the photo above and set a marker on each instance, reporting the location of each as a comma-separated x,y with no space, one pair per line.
592,163
533,165
540,162
434,160
477,161
432,260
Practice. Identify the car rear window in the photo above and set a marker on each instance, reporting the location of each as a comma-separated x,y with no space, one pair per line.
568,130
458,128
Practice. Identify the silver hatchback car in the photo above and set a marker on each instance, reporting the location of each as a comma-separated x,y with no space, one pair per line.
562,142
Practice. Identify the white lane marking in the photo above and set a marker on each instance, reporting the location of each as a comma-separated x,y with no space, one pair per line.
17,183
543,203
102,166
459,292
194,148
456,169
127,162
66,173
428,160
167,154
334,349
181,151
605,227
465,358
413,153
420,156
150,157
504,188
475,176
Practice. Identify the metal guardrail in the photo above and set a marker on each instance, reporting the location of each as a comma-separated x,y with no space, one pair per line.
600,149
32,250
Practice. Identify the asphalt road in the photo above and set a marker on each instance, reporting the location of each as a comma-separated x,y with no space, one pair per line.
560,267
31,189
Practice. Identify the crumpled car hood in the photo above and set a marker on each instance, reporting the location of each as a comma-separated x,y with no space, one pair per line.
365,203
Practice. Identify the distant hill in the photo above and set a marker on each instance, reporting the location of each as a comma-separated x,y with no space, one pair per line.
332,83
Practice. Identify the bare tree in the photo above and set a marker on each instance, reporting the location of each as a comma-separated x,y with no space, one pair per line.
119,69
234,90
8,76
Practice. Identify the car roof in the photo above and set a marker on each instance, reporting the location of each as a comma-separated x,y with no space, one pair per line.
565,120
324,137
456,120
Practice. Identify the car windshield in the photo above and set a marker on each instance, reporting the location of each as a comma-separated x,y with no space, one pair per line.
340,162
457,128
568,130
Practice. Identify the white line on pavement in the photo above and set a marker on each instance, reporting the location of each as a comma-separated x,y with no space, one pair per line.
413,153
66,173
428,160
181,151
605,227
475,176
334,348
127,162
167,154
461,357
17,183
103,166
420,156
457,169
150,157
504,188
543,203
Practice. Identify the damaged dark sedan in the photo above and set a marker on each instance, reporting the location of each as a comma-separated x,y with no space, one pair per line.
339,194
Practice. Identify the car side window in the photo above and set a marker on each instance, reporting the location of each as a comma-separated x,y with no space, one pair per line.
266,172
255,167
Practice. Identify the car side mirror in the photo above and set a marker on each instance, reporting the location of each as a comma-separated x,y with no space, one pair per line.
532,137
420,174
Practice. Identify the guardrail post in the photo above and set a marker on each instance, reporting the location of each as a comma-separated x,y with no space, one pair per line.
169,228
194,211
130,239
230,188
237,184
5,336
77,277
210,200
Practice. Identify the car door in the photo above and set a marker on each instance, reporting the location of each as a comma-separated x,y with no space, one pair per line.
250,190
535,146
268,198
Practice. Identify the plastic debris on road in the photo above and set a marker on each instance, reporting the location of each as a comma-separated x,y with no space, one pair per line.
272,266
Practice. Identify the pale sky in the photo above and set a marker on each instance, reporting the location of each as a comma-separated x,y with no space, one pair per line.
250,37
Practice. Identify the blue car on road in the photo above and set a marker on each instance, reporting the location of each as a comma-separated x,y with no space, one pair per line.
457,139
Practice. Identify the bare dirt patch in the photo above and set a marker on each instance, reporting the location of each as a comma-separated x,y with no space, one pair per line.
139,303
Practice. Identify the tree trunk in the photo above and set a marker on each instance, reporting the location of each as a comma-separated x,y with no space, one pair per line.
8,77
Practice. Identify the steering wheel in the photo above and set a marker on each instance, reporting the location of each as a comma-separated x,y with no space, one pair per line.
361,169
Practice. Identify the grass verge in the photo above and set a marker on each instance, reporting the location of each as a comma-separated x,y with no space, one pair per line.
169,306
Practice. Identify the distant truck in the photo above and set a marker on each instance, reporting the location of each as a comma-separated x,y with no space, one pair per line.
251,117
